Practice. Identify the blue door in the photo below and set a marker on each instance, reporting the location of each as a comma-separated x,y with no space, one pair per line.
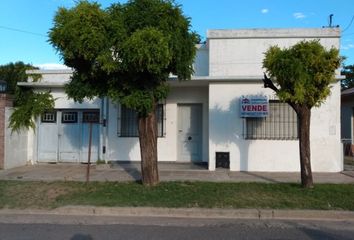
63,136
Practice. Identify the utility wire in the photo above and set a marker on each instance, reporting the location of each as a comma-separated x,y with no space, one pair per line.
351,21
22,31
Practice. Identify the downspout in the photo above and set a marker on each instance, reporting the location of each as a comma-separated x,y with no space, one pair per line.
104,128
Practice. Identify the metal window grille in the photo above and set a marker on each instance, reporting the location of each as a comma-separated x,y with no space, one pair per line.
91,117
69,117
128,120
160,120
280,124
49,117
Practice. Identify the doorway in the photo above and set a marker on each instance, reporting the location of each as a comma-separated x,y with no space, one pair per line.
63,136
190,132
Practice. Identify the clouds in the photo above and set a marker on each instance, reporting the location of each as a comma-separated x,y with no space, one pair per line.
299,15
265,10
296,15
347,46
51,66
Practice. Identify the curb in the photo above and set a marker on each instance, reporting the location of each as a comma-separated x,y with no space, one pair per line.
262,214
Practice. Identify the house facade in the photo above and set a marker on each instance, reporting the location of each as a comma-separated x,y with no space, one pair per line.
347,120
223,115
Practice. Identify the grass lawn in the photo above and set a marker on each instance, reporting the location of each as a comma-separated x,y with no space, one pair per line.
20,194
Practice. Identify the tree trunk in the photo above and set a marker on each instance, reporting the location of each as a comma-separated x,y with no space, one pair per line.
148,149
304,114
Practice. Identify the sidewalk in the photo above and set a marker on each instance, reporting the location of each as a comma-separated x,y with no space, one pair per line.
167,171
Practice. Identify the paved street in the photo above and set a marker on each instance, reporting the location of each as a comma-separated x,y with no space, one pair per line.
174,228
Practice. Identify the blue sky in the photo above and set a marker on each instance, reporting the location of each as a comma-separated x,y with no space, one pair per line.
33,19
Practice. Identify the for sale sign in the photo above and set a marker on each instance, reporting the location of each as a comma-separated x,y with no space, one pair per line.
254,106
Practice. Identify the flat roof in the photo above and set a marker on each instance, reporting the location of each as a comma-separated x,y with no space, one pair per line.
274,33
195,81
54,71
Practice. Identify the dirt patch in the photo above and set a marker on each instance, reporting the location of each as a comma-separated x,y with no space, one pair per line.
36,194
53,194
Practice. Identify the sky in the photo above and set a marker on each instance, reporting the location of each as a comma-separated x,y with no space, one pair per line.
24,24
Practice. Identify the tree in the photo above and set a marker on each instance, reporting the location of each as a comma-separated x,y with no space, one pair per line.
348,72
28,104
303,74
126,52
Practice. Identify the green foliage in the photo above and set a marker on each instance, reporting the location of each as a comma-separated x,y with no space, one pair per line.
126,51
79,34
348,72
303,71
28,104
146,50
16,72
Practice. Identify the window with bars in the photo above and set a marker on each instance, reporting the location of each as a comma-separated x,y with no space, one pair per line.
49,117
91,117
69,117
280,124
128,120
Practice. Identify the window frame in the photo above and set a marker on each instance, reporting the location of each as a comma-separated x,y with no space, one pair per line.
286,118
161,119
44,120
94,113
75,113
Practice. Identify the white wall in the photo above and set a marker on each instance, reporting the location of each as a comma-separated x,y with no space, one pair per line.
226,133
52,76
62,101
326,147
128,149
201,61
241,52
15,145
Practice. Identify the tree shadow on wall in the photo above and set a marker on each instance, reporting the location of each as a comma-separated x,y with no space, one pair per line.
227,130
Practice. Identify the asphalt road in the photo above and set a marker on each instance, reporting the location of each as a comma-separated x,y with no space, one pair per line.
92,228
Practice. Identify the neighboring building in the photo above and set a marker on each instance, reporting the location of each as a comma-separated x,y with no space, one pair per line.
201,119
347,106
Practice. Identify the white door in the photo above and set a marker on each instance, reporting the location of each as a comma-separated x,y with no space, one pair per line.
190,132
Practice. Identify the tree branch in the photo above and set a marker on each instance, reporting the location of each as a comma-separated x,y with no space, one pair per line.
269,84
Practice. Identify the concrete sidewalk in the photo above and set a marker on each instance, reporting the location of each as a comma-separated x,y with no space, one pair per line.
167,171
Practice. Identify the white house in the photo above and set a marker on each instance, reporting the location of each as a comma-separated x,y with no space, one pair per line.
201,120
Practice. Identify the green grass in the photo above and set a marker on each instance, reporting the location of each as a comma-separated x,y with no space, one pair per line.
20,194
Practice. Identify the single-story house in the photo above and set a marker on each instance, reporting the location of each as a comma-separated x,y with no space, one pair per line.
347,120
223,116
